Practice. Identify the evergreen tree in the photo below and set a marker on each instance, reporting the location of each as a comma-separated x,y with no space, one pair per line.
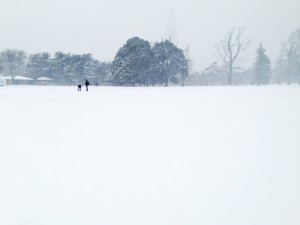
261,67
89,66
102,72
79,67
73,68
58,67
168,62
132,62
38,65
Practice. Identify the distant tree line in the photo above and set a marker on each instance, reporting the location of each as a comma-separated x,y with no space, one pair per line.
64,69
230,72
136,63
139,63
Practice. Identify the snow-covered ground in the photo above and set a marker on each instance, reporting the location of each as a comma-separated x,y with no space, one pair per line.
150,156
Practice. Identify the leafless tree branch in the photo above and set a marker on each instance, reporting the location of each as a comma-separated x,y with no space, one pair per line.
230,48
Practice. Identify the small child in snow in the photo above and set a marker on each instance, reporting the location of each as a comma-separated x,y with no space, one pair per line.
79,87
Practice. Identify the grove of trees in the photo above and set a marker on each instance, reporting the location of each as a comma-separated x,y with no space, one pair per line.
140,63
64,69
287,67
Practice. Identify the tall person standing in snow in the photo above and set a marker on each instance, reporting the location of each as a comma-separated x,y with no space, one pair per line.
87,83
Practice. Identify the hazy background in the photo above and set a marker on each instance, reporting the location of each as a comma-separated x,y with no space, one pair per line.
101,27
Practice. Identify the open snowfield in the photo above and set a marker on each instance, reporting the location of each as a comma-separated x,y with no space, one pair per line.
150,156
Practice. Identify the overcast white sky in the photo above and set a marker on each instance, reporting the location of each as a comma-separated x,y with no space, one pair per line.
101,27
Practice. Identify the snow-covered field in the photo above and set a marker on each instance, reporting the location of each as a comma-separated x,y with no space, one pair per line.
150,156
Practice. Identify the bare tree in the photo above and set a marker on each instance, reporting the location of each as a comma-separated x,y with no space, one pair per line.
294,44
13,62
280,69
230,48
187,65
290,65
294,49
290,59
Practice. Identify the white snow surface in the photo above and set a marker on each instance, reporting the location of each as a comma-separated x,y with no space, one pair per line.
150,156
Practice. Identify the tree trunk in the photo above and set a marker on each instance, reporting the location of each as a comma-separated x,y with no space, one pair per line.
147,80
230,75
